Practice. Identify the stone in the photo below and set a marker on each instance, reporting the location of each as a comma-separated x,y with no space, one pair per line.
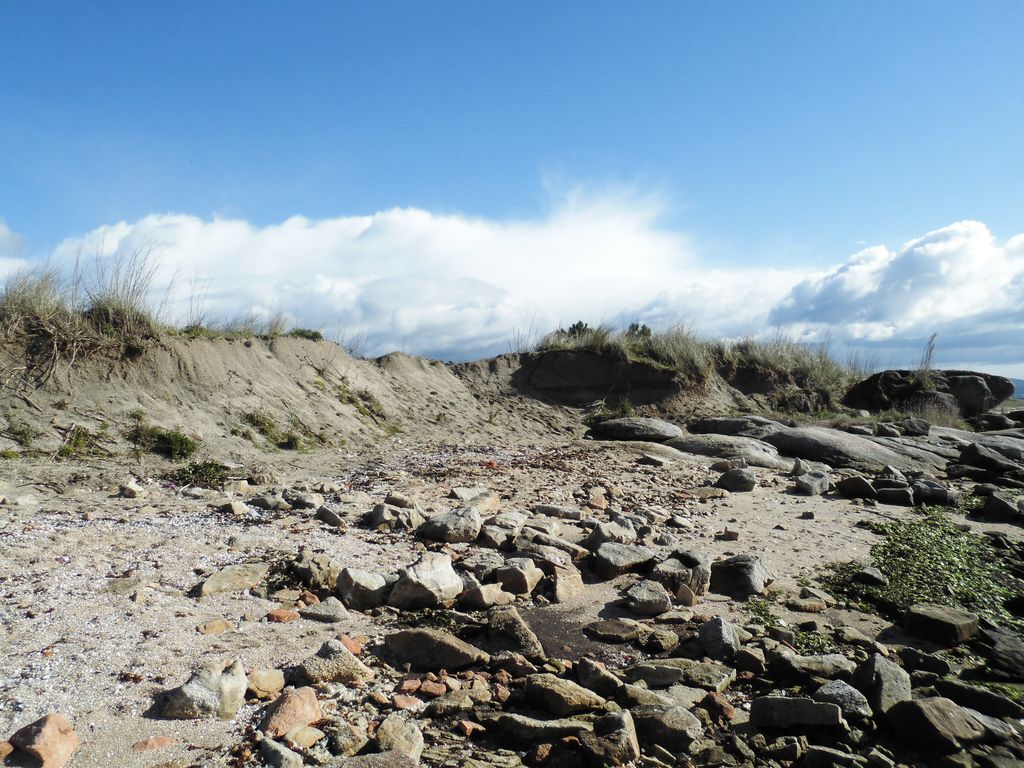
234,578
636,428
482,596
566,583
522,729
662,673
332,663
462,524
856,487
279,756
390,759
737,480
981,699
214,691
560,696
809,668
914,659
520,576
501,530
558,511
400,733
329,611
806,605
618,532
215,627
613,741
882,682
614,630
597,677
282,615
431,581
386,517
898,497
813,483
295,708
998,508
671,728
506,631
432,649
937,724
740,576
361,590
346,739
51,740
984,457
753,452
871,576
264,683
719,639
851,701
750,660
940,624
790,712
317,570
612,559
648,598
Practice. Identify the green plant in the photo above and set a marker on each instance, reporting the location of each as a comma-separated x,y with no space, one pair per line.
924,366
263,423
204,474
78,442
9,453
813,643
169,443
21,433
932,560
606,412
760,611
306,333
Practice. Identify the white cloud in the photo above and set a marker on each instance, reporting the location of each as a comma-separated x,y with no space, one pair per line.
11,247
456,286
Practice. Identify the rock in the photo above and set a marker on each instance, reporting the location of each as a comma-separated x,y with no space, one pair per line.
558,511
519,729
361,590
856,487
662,673
636,428
806,605
213,691
501,530
851,701
295,708
560,696
346,739
432,649
613,741
596,676
282,615
938,724
740,576
871,576
790,712
215,627
279,756
755,453
813,483
235,578
612,559
520,576
882,682
385,517
332,663
980,699
431,581
458,525
719,639
1005,654
930,492
507,631
399,733
750,660
737,481
671,728
897,497
971,393
566,583
390,759
808,668
51,740
316,570
648,598
940,624
984,457
484,596
265,683
914,659
618,532
614,630
329,611
1000,509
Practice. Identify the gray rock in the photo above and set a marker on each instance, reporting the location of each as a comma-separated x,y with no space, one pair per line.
613,741
813,483
346,739
612,559
851,701
636,428
316,570
856,487
882,682
719,639
399,733
981,699
807,668
458,525
329,611
597,677
519,729
566,584
789,712
871,576
662,673
671,728
361,590
506,631
429,582
519,575
832,447
386,517
501,530
235,578
214,691
432,649
897,497
755,453
558,511
937,725
392,759
740,576
648,598
737,481
940,624
1000,509
279,756
620,533
559,696
332,663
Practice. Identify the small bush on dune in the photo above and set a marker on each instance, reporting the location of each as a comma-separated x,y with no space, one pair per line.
169,443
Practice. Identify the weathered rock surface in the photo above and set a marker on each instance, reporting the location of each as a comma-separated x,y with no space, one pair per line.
235,578
332,663
636,428
740,576
215,691
560,696
432,649
429,582
51,740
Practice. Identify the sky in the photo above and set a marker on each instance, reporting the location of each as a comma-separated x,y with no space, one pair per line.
448,178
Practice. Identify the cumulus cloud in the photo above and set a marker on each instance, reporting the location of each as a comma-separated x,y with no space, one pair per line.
456,286
11,247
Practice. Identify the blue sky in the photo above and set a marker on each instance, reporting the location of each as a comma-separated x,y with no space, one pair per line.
782,136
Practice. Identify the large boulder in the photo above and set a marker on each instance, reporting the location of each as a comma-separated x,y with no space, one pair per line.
973,393
756,453
636,428
214,691
429,582
740,576
432,649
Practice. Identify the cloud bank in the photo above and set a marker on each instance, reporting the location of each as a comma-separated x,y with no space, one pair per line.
456,287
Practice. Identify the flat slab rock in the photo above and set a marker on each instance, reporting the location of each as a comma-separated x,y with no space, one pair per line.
432,649
940,624
637,428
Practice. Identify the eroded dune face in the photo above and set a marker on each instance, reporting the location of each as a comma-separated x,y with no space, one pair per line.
447,567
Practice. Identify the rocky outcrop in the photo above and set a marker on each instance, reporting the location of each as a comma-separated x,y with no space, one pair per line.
971,393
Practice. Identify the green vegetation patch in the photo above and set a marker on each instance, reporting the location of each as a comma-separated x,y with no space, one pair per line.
80,442
932,560
204,474
607,411
170,443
